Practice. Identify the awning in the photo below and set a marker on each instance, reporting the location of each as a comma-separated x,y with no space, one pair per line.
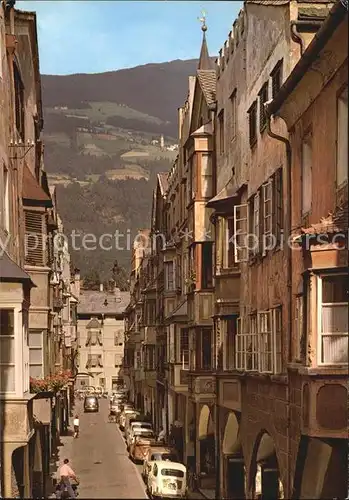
11,272
228,193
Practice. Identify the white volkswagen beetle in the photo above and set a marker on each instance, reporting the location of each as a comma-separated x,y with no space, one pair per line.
167,480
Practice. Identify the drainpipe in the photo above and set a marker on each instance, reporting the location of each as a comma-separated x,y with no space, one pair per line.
306,23
285,141
296,37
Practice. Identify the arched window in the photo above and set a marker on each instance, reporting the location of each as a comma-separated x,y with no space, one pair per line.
19,100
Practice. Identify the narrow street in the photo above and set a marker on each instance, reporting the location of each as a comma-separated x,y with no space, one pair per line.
100,459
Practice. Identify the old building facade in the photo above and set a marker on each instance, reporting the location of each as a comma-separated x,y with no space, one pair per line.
100,338
318,362
28,224
243,369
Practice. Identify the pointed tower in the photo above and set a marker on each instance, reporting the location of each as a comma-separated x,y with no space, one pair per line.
205,62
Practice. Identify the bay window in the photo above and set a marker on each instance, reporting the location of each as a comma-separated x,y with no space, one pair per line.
206,176
207,265
230,328
169,276
258,342
333,319
184,349
7,350
204,349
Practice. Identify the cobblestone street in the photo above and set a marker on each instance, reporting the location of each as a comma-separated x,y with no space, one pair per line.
100,459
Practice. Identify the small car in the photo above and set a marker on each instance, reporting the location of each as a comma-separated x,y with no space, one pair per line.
131,417
91,404
130,431
167,480
122,420
141,441
158,453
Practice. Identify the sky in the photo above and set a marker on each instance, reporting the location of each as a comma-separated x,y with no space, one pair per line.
95,36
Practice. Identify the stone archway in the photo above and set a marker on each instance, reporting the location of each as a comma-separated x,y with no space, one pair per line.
205,422
206,443
265,482
233,460
321,470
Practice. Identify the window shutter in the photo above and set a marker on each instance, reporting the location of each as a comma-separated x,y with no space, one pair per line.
34,245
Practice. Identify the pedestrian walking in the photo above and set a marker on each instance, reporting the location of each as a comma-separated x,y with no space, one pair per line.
66,473
76,426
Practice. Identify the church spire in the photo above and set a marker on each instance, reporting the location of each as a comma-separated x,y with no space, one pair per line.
205,61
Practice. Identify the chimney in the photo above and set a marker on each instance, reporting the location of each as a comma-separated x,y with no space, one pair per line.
101,287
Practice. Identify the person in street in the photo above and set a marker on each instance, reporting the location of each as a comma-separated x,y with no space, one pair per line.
161,436
76,426
66,473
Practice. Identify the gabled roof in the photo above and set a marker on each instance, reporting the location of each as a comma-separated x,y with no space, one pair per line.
32,191
93,323
163,182
207,80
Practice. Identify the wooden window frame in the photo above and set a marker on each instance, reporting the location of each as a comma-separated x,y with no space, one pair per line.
276,78
252,123
241,218
263,98
233,105
12,337
321,334
221,132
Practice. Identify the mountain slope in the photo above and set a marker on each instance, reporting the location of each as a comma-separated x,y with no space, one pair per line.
106,137
154,89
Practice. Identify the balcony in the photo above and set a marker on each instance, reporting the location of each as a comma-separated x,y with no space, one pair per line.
324,407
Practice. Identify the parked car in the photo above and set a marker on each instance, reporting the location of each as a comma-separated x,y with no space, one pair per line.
140,443
130,430
124,411
167,480
132,417
91,404
157,454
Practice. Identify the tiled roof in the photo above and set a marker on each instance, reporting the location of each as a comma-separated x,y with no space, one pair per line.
333,223
31,188
207,80
163,182
102,302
